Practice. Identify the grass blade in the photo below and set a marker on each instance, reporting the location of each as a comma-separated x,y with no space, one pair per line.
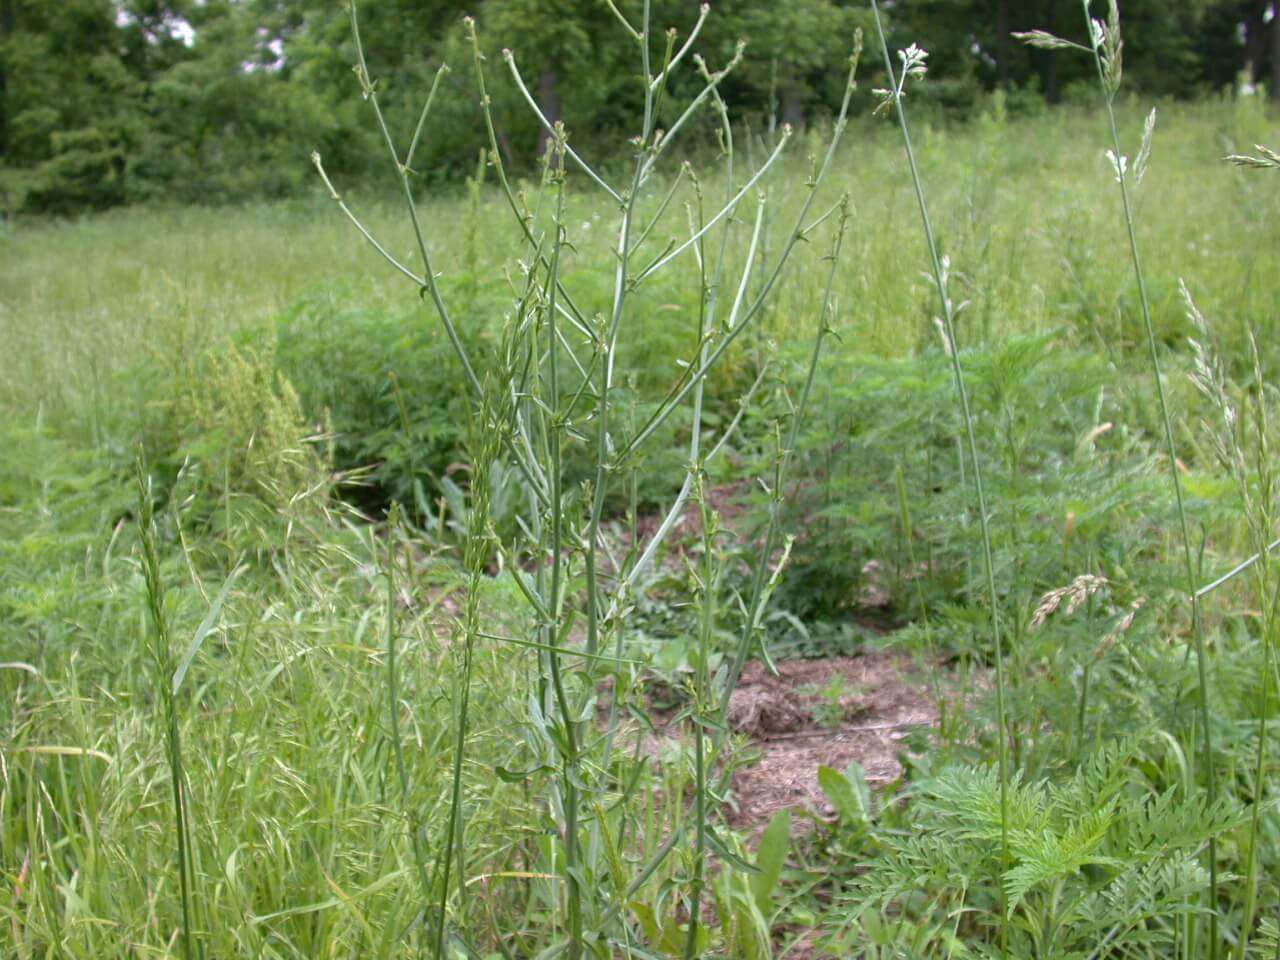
206,627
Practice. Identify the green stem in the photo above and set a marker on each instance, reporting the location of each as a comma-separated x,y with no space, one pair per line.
393,697
428,282
488,435
757,597
162,662
570,776
706,309
1261,526
730,680
962,393
1166,420
700,697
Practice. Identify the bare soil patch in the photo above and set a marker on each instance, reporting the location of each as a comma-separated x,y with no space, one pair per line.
794,725
827,711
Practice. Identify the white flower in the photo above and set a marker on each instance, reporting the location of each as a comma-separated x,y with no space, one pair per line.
1098,32
913,60
1119,166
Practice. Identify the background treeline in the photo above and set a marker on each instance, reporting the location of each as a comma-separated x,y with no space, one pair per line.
109,102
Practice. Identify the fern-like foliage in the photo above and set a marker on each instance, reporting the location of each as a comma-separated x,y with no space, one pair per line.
1267,942
1101,865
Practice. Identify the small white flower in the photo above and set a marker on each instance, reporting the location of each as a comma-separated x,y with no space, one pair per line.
1097,32
1119,166
942,333
913,60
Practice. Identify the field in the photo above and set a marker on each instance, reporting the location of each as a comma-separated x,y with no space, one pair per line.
316,647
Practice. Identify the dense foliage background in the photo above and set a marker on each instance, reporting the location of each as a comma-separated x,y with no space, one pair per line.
340,624
109,102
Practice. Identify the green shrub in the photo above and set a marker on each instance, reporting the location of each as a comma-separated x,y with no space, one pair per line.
392,392
232,442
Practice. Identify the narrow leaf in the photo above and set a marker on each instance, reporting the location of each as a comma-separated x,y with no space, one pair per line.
507,775
728,856
60,751
206,626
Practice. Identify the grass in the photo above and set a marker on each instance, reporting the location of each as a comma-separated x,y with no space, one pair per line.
352,702
1015,202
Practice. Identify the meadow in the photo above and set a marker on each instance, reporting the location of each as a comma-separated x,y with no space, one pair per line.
317,645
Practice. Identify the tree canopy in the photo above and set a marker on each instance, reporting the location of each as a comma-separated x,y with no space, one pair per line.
107,102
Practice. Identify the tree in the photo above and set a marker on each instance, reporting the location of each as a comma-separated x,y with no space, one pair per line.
970,48
556,42
114,101
69,104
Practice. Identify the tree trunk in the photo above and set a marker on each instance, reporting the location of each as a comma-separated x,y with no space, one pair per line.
792,106
8,16
549,94
1275,56
1255,41
1002,43
1051,59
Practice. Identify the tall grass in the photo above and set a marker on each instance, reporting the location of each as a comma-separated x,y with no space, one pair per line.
1244,452
1182,922
178,280
164,665
1106,46
912,63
